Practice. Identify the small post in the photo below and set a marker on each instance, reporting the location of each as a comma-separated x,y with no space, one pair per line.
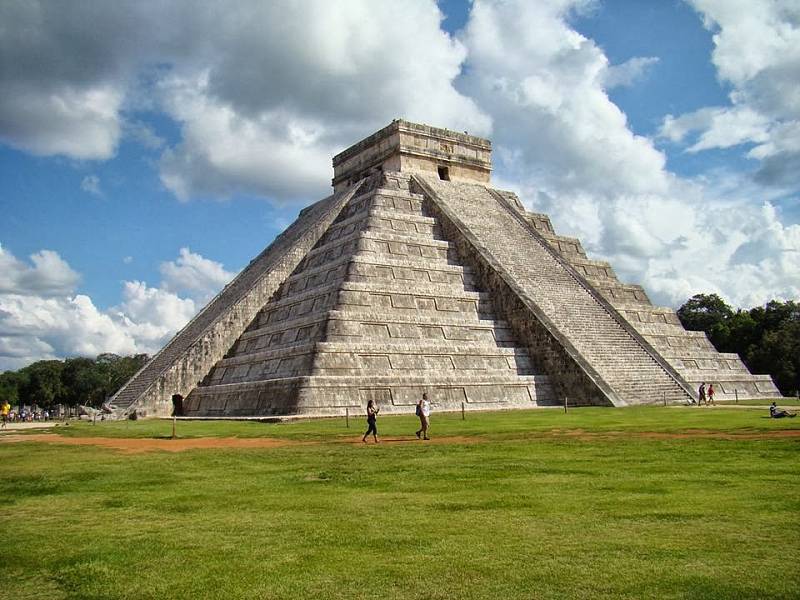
665,398
566,401
736,393
347,416
174,421
462,412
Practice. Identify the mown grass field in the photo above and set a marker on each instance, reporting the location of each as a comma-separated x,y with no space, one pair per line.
595,503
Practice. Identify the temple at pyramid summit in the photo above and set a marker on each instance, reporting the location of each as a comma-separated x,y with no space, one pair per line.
416,276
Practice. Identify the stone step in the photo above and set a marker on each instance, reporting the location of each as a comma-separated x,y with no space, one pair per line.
600,337
237,303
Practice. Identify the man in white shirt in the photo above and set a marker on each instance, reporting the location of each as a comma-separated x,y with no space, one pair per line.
424,414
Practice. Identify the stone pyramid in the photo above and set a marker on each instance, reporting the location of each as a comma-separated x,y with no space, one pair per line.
416,276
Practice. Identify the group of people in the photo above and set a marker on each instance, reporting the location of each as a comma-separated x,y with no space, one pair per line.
422,410
22,416
705,396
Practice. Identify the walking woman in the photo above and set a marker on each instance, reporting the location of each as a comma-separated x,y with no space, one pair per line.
372,417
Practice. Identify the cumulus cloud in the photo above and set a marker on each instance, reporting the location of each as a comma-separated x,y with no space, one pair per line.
629,72
47,275
264,93
569,151
267,115
757,52
79,123
41,317
194,275
545,85
91,184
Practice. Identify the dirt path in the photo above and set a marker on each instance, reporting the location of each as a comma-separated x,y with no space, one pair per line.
138,445
135,445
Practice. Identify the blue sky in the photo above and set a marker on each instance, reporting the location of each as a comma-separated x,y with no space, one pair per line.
148,152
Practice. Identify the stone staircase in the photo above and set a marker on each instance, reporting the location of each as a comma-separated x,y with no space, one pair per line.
185,360
608,350
689,352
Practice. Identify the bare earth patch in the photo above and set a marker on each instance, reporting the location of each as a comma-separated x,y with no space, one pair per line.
138,445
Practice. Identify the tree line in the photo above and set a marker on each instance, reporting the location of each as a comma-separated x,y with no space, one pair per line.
87,381
767,338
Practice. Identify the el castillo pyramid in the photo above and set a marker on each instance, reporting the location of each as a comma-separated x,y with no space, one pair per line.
417,276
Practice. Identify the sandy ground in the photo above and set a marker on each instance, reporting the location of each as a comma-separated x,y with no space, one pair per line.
32,425
138,445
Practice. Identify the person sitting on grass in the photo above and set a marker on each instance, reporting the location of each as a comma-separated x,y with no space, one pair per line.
776,413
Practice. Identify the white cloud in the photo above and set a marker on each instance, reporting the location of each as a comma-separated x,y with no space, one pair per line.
91,184
267,115
756,51
570,153
264,93
41,317
629,72
79,123
544,85
152,316
144,135
49,275
194,275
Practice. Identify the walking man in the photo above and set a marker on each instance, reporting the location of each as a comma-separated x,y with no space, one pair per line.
701,394
424,414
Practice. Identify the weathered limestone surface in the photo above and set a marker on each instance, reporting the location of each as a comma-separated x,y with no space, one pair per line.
588,350
415,276
188,357
689,352
380,309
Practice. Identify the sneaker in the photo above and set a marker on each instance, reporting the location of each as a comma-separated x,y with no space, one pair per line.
418,435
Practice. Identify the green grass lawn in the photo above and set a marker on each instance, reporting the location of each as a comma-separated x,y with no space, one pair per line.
527,504
783,402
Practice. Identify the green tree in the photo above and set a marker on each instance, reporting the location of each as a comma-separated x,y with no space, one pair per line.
702,311
81,379
767,338
779,355
10,382
42,383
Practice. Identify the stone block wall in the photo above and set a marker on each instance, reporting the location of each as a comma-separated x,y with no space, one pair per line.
187,359
402,318
613,356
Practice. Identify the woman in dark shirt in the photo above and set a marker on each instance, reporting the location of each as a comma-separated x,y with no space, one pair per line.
372,416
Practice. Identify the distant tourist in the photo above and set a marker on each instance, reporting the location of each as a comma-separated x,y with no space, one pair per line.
711,393
701,394
4,410
424,414
372,421
777,413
